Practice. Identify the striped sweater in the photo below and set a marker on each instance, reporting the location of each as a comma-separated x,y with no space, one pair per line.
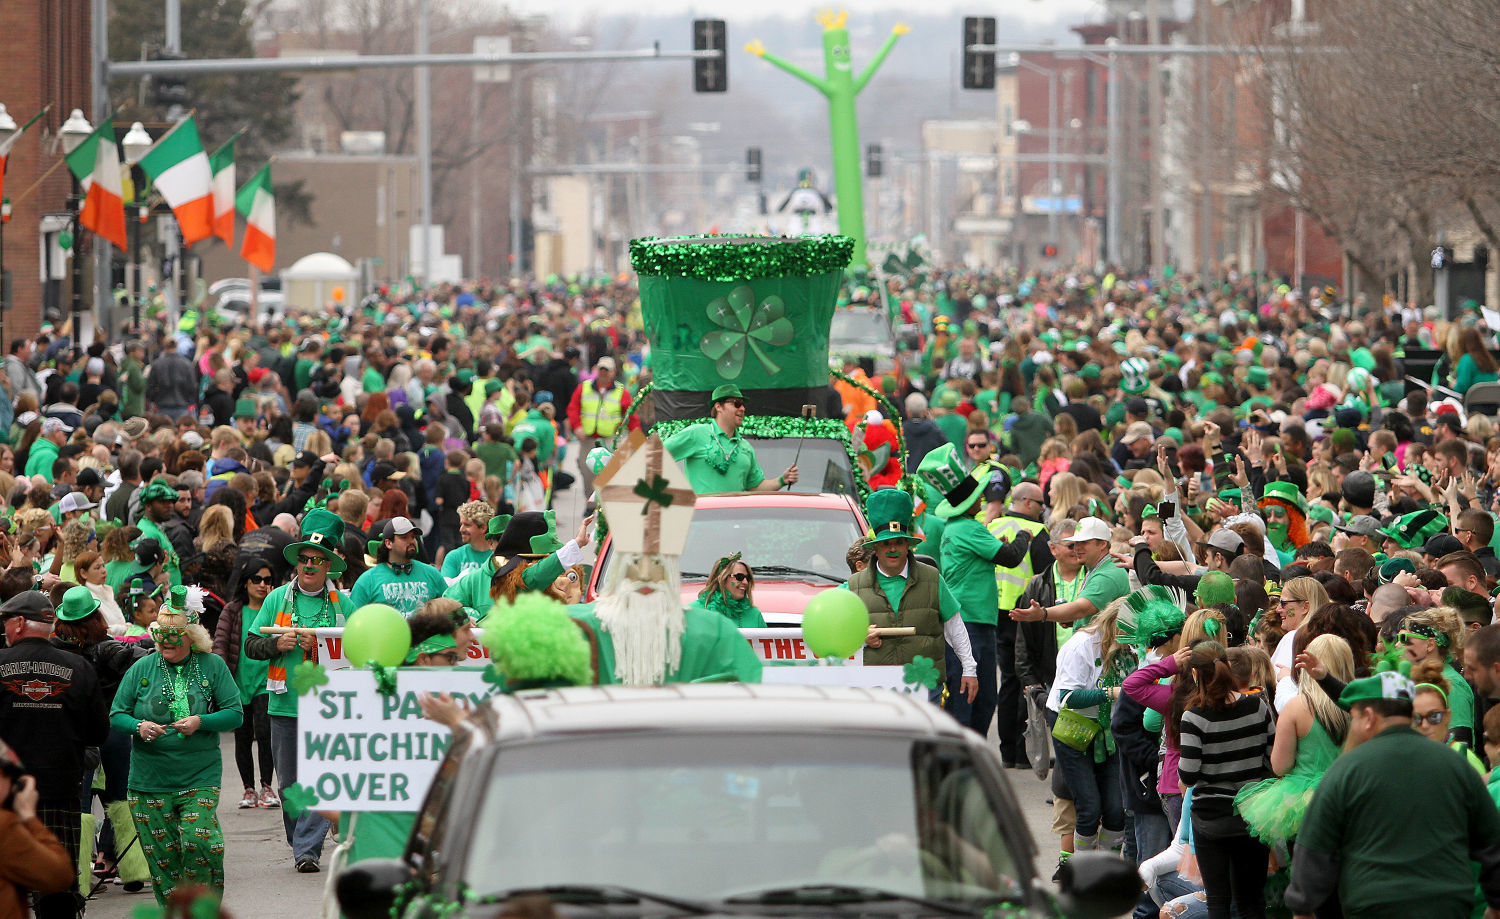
1224,749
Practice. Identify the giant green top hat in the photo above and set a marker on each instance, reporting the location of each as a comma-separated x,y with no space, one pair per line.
322,532
754,311
942,469
889,511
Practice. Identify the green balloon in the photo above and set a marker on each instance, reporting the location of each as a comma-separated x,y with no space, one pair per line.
835,623
376,634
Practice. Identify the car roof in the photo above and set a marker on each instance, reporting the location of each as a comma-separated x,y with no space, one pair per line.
718,708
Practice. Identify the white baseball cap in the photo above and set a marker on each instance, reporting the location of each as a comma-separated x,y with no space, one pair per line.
75,501
1090,528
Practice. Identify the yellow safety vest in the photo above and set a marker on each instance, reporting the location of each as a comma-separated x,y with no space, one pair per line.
601,413
1012,581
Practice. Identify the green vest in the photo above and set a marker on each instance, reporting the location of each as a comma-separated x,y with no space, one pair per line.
919,609
1012,581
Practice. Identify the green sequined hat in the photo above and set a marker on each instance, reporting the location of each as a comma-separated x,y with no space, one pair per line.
1414,529
942,469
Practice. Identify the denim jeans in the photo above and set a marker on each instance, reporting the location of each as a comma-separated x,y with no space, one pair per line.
975,715
1095,787
305,833
1152,836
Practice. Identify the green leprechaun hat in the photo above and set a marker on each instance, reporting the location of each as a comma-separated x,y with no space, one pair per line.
890,511
322,532
1414,529
942,469
754,311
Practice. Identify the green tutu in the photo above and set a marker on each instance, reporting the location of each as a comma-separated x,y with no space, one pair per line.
1273,808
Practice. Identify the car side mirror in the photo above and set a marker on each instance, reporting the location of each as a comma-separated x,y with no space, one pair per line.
367,889
1096,885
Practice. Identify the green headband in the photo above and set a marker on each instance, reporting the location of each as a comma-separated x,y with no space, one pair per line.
431,646
1437,689
1428,632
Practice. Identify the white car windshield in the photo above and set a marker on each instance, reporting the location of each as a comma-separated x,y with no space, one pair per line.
713,817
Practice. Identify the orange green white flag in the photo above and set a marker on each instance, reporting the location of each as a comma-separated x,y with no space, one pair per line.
96,165
257,203
179,169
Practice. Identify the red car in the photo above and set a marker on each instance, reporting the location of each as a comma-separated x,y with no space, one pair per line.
796,544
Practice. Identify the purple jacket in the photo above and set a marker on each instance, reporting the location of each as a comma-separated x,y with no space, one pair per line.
1142,686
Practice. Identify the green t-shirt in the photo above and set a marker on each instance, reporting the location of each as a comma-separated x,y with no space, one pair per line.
713,650
715,462
372,381
954,426
1363,812
307,611
149,530
174,762
968,569
498,458
250,675
1460,700
302,373
115,573
462,560
894,588
405,592
1105,584
377,834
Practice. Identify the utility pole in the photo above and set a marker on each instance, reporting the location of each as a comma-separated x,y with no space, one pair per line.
1206,260
1153,109
1114,210
424,136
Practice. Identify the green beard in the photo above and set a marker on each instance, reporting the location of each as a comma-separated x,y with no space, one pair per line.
1278,534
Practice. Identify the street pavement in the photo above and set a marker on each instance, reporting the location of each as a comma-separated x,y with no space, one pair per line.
259,876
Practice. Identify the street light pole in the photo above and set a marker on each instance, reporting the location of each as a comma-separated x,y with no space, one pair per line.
424,136
73,133
136,144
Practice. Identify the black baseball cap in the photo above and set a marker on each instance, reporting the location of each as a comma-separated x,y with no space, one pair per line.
29,604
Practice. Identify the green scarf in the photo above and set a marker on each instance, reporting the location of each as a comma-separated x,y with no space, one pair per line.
725,605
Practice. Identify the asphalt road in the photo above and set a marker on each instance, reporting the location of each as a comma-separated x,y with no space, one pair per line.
260,879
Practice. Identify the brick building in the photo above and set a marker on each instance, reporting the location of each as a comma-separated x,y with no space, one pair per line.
47,61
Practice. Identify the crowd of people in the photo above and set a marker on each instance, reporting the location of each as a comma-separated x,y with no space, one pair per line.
1204,540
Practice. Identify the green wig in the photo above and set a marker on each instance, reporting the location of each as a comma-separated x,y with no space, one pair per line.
1149,618
534,642
1214,587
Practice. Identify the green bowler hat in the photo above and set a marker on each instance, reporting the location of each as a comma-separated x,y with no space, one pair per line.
245,408
725,391
78,603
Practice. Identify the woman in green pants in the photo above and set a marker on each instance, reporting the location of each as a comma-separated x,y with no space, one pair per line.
174,703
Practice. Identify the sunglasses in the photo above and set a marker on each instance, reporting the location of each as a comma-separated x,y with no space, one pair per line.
311,559
976,446
735,403
740,576
1405,637
259,579
451,656
1433,718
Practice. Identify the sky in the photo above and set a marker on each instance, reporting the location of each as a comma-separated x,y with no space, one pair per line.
1041,12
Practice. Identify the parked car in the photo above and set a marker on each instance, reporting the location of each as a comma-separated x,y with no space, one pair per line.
795,543
725,800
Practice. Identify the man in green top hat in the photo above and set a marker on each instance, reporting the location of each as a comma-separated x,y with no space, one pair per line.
714,456
158,504
309,601
900,592
1411,531
1359,840
969,555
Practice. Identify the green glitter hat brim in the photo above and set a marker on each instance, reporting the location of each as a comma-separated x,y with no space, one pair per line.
740,258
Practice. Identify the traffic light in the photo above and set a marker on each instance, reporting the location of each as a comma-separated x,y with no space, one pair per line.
752,164
1049,250
874,165
168,91
979,66
710,74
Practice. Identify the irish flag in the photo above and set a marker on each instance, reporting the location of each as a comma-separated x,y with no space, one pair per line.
96,165
179,169
222,164
256,202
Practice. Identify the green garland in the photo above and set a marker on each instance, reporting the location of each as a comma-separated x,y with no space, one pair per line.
740,258
784,427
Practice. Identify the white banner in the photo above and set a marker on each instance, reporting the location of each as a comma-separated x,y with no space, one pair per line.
360,750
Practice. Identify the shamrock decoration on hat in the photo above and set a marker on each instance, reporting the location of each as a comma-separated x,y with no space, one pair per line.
1413,530
943,470
1135,375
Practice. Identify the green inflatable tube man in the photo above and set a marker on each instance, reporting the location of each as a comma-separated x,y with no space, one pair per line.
840,87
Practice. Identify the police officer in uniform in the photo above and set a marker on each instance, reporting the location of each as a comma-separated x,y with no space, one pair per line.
596,412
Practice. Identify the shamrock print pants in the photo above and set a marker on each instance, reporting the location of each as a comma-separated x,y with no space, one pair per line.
181,838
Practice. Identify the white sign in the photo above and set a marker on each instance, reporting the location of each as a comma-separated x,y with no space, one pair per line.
871,677
360,750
